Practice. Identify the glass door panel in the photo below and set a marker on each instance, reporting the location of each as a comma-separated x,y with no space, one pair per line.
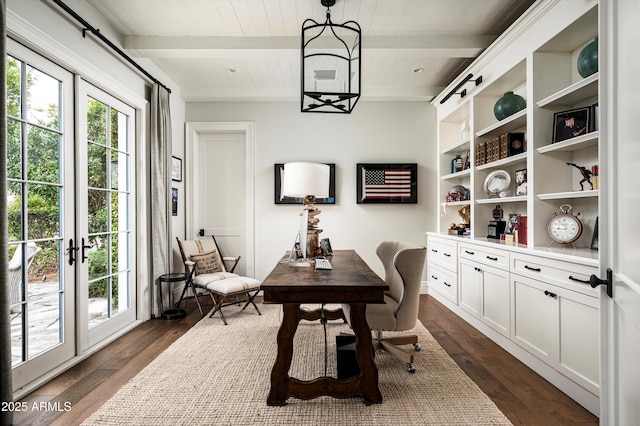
110,294
40,190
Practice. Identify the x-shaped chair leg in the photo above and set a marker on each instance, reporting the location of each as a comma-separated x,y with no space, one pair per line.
250,297
218,308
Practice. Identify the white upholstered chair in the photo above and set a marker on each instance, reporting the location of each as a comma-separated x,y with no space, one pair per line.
403,266
206,269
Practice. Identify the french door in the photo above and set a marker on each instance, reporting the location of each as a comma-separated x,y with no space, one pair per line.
40,191
70,210
104,218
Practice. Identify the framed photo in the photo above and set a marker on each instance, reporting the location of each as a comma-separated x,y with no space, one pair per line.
325,245
595,240
511,223
572,123
174,201
176,169
279,182
387,183
521,182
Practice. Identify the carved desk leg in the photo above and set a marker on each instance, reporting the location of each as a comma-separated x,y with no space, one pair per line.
280,371
369,376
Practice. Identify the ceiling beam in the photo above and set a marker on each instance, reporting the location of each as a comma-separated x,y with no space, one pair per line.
211,47
246,94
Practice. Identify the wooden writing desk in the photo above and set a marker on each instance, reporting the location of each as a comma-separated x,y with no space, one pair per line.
350,281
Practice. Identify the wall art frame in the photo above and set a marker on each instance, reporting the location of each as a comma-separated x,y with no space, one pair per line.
176,169
387,183
278,169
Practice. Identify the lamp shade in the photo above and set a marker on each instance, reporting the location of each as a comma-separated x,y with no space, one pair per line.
302,179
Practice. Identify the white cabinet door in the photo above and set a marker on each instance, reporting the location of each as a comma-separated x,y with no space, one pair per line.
558,326
578,352
496,300
535,317
470,287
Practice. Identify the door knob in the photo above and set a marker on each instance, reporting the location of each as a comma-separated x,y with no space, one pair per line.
594,282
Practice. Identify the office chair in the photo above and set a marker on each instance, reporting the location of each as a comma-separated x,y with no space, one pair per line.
403,265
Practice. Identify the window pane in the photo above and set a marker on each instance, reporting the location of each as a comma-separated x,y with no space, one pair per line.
14,79
43,99
97,166
98,302
14,151
96,122
98,256
119,134
14,210
120,293
97,211
120,212
45,316
43,155
43,212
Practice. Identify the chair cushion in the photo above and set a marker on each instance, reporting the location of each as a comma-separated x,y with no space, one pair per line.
206,263
234,285
204,279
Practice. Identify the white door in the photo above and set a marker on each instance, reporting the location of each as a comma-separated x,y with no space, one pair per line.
105,215
40,191
620,322
220,193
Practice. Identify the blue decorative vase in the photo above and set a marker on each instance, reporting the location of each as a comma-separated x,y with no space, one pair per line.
508,104
588,59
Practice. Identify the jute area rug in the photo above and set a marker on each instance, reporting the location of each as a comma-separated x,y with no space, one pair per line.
220,375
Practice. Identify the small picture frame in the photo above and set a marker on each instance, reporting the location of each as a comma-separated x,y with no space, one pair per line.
174,201
325,245
521,182
570,124
176,169
511,223
595,241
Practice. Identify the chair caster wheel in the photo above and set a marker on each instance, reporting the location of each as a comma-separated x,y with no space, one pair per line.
411,368
416,347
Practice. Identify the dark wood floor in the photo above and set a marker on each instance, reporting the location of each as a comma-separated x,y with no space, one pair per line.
523,396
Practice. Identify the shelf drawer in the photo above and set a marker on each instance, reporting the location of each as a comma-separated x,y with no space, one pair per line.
484,255
571,276
443,252
443,281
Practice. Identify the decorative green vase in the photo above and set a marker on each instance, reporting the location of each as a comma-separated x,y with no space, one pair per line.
508,104
588,59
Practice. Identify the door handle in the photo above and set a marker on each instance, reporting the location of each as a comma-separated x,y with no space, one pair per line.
595,282
84,247
72,251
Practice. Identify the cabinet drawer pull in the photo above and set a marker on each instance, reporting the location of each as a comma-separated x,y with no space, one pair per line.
470,252
492,258
531,268
548,293
572,278
477,269
434,277
434,250
447,284
447,254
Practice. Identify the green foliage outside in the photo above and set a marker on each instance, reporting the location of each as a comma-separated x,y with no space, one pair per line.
39,174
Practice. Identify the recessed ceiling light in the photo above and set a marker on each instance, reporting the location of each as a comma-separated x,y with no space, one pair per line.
417,70
231,70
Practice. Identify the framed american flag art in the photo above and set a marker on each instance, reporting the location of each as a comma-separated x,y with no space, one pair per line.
387,183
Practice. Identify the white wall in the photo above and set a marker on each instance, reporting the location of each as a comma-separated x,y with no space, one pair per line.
376,132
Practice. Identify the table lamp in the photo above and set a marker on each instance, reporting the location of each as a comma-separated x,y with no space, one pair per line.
308,181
